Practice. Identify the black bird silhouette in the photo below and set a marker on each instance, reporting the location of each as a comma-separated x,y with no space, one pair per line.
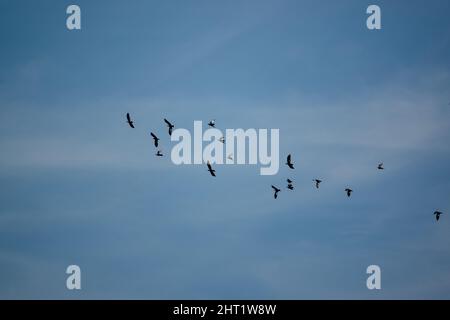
380,166
222,139
169,125
159,153
317,182
349,192
130,122
289,162
275,195
290,186
437,214
155,139
210,169
212,123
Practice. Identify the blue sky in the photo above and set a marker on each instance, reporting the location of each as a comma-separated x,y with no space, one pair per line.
77,186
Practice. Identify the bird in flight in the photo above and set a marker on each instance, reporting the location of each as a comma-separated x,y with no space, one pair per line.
155,139
317,181
289,162
159,153
210,169
437,214
290,186
276,190
169,125
349,192
222,139
230,156
381,166
212,123
130,122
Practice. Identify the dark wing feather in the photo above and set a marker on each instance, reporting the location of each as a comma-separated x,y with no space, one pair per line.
168,123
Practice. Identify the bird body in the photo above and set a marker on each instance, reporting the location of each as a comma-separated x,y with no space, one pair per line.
290,186
212,123
169,125
380,166
159,153
155,139
437,214
129,121
317,182
276,190
210,169
289,162
349,192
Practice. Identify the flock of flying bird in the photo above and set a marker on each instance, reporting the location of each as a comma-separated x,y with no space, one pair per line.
317,182
276,190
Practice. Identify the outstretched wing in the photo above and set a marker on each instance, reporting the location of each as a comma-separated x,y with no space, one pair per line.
167,122
155,139
130,122
289,159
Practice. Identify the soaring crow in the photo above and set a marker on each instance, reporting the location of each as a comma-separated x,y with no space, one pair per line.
159,153
289,162
171,126
212,123
155,139
130,122
349,192
290,186
317,182
380,166
276,190
210,169
437,214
